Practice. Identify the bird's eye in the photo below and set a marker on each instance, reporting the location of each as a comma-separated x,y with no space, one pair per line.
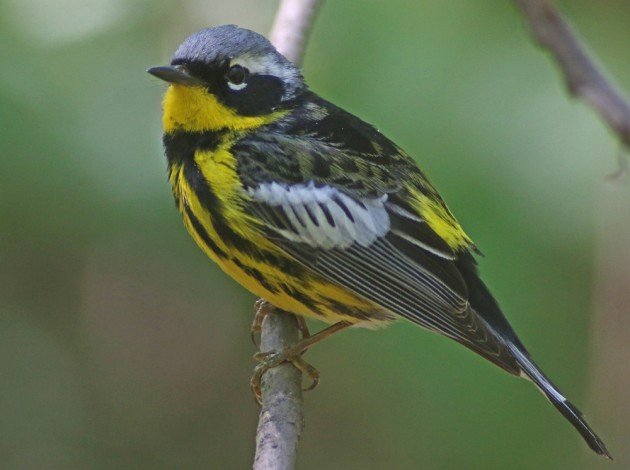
236,77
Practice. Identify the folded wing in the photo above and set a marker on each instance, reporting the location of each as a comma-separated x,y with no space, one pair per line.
380,250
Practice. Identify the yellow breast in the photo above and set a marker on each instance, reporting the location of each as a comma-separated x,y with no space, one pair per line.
213,204
232,239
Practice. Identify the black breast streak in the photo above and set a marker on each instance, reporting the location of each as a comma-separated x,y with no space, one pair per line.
347,311
180,149
180,146
256,274
302,298
214,206
203,234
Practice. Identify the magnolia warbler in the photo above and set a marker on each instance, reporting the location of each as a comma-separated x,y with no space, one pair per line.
316,211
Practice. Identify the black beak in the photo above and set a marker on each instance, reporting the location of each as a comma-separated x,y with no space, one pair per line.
175,74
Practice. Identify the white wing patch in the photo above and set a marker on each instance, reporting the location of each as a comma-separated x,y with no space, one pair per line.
323,216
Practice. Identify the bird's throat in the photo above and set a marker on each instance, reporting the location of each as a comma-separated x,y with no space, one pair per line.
194,109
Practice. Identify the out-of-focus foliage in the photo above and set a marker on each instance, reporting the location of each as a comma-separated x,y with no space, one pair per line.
122,346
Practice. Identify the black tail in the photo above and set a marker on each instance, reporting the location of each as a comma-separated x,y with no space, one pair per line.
484,303
570,412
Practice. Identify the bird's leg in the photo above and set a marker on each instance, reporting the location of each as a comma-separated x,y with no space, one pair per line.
261,308
302,326
292,354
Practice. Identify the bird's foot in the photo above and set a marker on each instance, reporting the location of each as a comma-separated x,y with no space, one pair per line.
268,360
292,354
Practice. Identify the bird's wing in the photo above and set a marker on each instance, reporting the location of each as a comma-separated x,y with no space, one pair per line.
370,240
328,146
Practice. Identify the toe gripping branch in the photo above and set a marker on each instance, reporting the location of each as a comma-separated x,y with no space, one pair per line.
292,354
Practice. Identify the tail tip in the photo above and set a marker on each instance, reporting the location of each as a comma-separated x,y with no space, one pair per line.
600,448
591,438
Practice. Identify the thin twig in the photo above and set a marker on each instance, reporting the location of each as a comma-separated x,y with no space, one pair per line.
611,324
584,79
292,27
281,418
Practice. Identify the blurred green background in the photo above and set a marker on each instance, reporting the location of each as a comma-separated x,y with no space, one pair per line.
122,346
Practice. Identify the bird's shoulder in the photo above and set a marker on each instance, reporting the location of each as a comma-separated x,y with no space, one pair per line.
320,142
321,145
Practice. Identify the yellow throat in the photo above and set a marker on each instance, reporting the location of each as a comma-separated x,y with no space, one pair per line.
194,109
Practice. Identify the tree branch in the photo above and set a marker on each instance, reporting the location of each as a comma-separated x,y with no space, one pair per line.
280,423
611,324
292,27
281,418
583,78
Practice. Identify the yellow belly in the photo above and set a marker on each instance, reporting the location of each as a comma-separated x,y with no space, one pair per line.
263,268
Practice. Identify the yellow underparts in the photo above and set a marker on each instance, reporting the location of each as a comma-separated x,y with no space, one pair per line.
196,110
279,287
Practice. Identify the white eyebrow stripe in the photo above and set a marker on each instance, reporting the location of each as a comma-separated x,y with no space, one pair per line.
269,64
264,64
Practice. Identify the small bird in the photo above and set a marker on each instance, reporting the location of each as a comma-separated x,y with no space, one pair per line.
317,212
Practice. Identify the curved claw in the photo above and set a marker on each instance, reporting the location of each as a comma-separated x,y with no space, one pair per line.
255,383
292,354
266,360
270,359
309,370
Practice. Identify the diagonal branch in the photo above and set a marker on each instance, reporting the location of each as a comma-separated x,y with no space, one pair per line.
281,418
292,27
611,324
584,79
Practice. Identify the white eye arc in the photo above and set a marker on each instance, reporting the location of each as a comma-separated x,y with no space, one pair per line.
237,76
236,87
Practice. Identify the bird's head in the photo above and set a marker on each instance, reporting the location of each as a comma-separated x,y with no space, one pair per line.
227,78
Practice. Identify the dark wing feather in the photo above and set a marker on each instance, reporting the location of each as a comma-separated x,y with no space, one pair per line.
341,207
400,274
349,219
425,290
